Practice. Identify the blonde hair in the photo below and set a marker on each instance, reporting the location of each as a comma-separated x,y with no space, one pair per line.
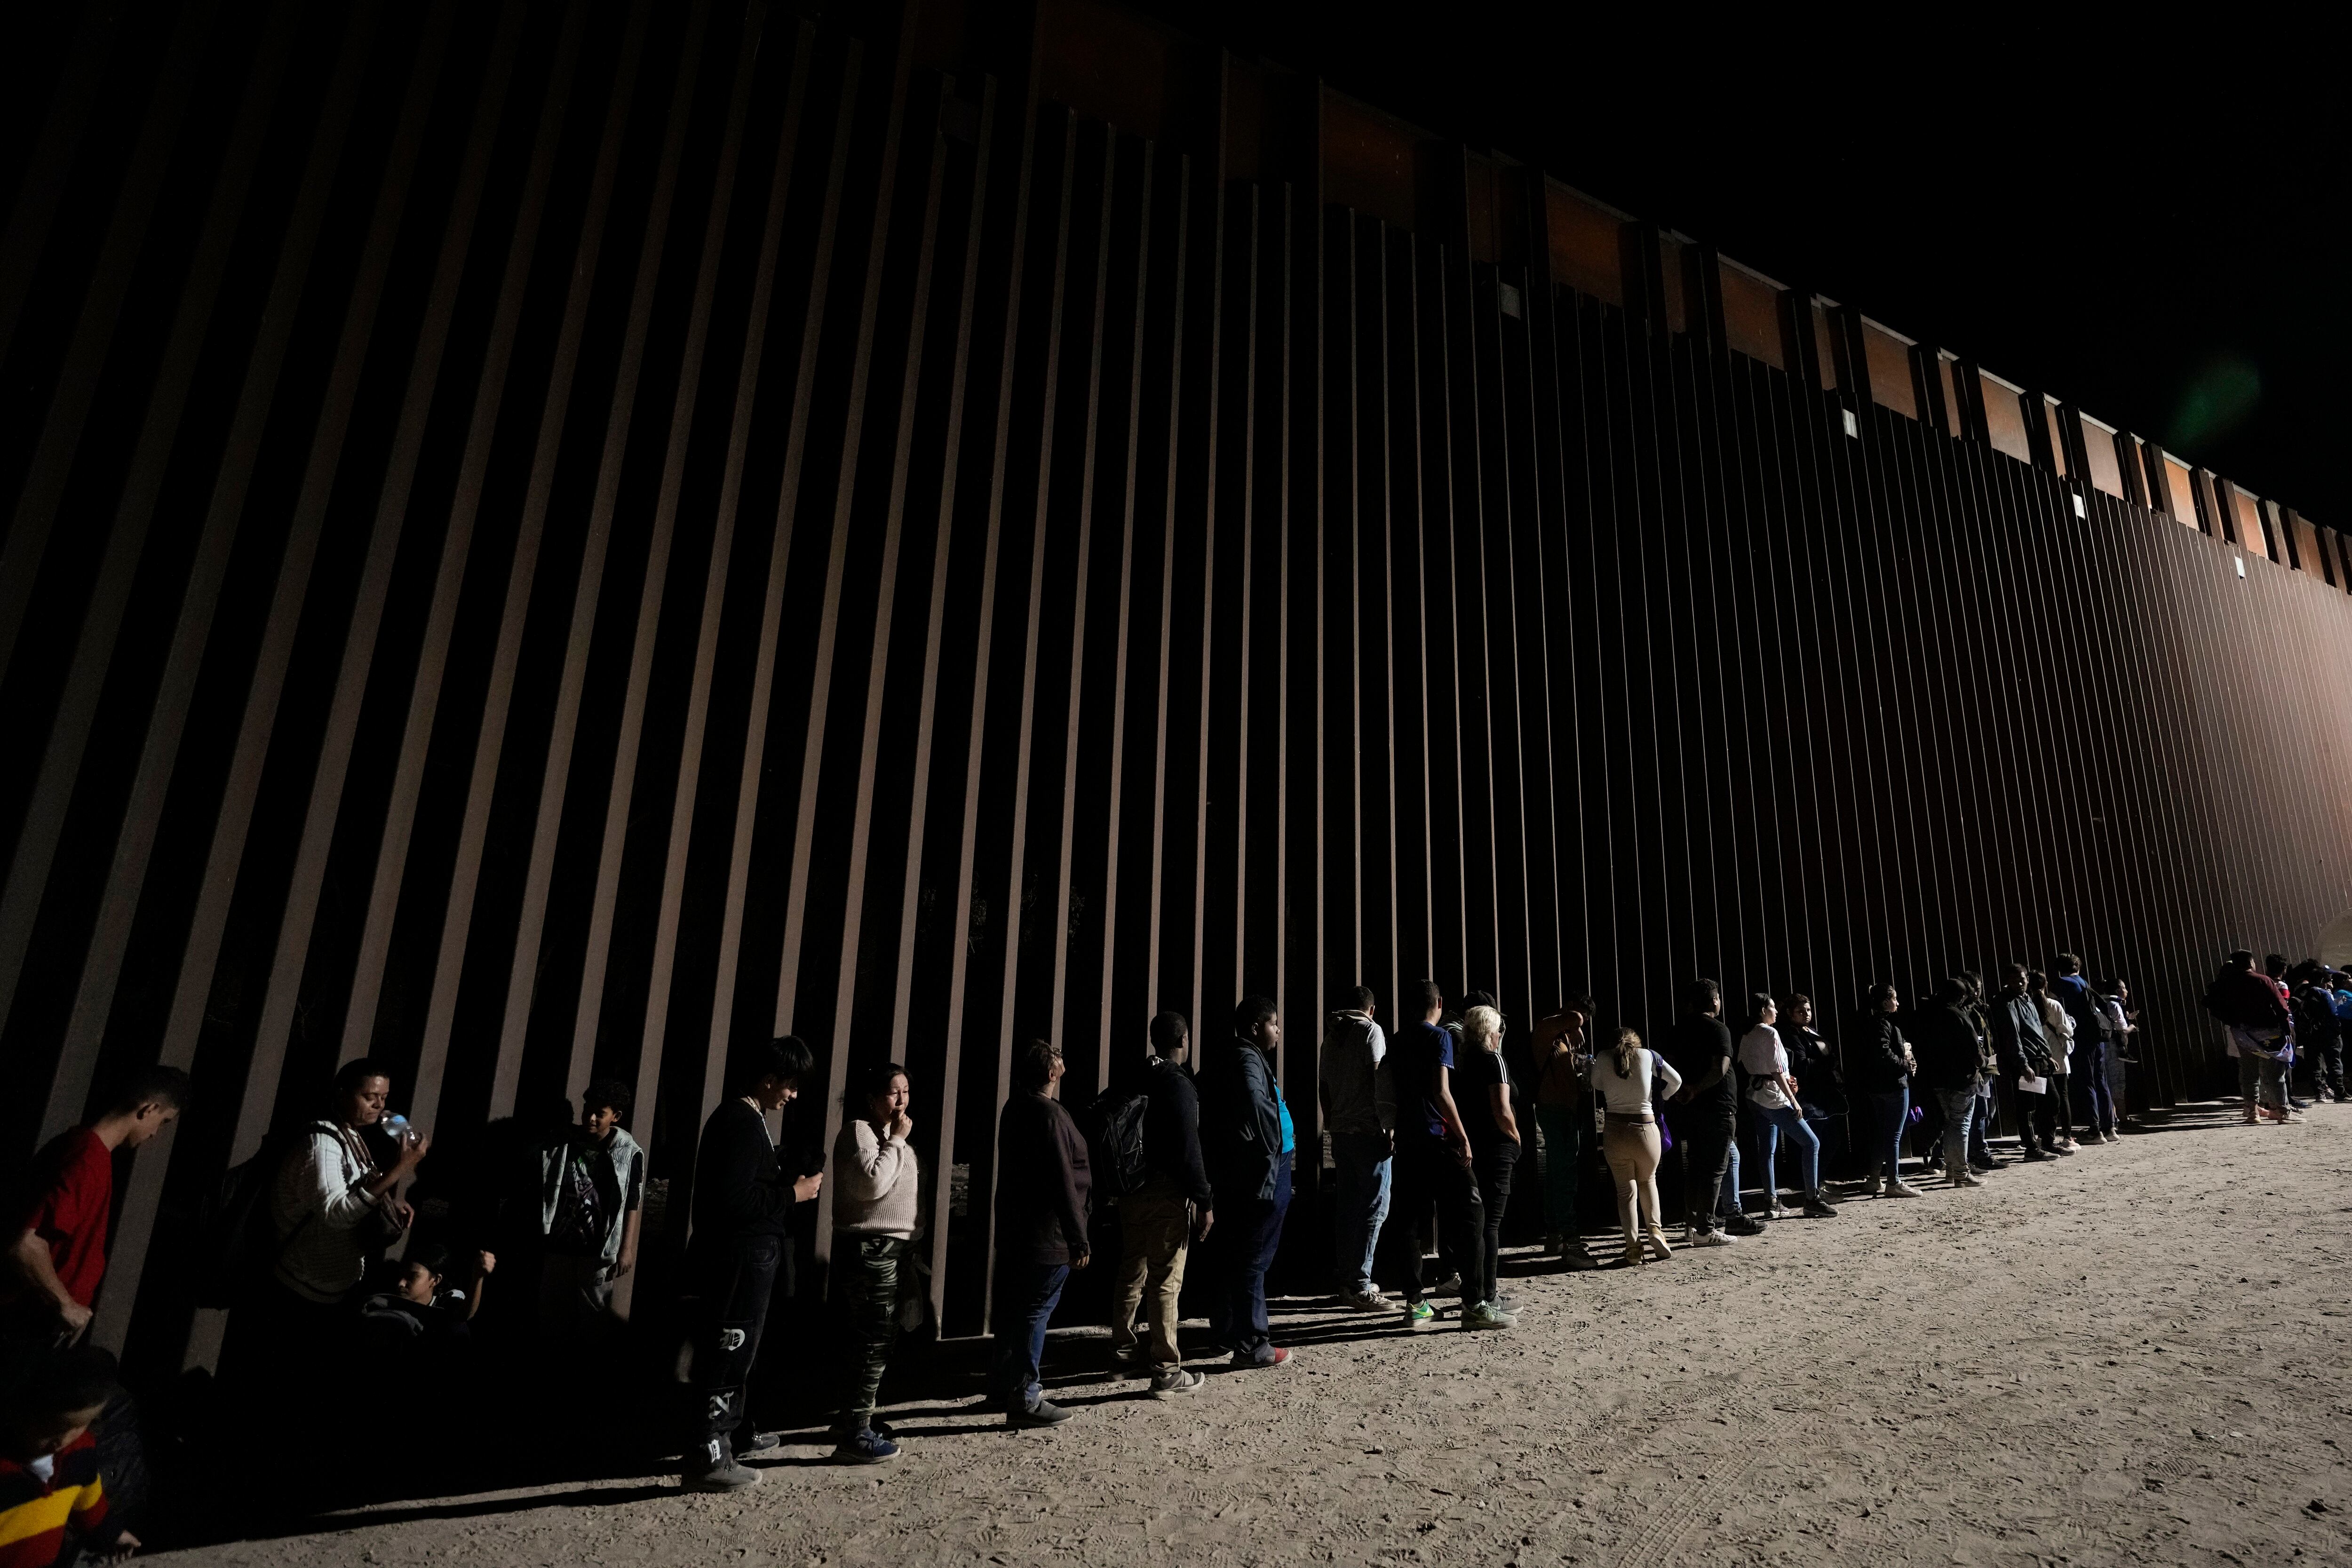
1483,1026
1628,1042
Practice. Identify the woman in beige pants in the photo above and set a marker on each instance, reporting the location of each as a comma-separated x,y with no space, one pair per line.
1627,1078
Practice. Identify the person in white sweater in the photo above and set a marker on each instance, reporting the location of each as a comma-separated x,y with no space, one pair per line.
873,1222
1629,1078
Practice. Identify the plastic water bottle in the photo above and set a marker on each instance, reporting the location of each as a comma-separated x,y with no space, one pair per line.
401,1133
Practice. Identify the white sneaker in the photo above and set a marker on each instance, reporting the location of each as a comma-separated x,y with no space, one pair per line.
1449,1286
1708,1238
1780,1211
1903,1190
2109,1138
1965,1178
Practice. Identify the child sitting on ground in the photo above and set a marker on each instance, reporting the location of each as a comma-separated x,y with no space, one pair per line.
49,1462
422,1304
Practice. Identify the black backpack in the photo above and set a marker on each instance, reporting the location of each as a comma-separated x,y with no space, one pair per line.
1114,1129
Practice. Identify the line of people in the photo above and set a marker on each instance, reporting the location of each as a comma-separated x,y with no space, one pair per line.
1426,1122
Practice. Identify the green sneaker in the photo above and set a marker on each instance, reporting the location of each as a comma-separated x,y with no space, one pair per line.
1485,1315
1420,1313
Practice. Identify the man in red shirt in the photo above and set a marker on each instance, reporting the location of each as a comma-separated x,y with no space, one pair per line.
57,1245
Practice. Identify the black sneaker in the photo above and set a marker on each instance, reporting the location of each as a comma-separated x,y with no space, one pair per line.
2035,1156
1577,1259
1816,1209
1045,1413
750,1442
1740,1225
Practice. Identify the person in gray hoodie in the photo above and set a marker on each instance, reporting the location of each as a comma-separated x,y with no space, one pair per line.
1359,1112
876,1188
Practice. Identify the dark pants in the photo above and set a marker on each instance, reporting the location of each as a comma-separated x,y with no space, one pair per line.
1237,1306
869,1286
282,1345
1563,1151
1494,1168
1427,1173
2037,1120
2327,1063
739,1279
2090,1076
1707,1161
1027,1295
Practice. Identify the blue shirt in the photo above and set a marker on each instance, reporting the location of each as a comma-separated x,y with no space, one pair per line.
1416,1052
1290,1133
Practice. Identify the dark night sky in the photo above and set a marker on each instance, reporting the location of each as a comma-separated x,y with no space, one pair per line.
2149,221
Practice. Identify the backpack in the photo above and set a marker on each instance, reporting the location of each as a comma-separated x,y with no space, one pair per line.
1114,1130
235,1230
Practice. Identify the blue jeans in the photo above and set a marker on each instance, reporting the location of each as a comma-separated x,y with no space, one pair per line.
1726,1202
1786,1120
1960,1114
1237,1308
2090,1076
1882,1149
1027,1295
1363,1205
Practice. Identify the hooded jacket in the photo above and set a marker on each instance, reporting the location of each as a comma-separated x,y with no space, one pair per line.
1359,1099
1240,1120
1946,1044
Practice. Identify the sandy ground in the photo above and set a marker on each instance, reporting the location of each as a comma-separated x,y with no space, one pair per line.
2137,1355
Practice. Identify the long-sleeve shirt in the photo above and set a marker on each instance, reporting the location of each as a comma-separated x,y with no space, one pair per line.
1355,1095
740,1188
322,1206
1874,1061
875,1188
1042,1181
39,1501
1947,1045
1631,1094
2021,1033
1240,1120
2057,1032
1171,1130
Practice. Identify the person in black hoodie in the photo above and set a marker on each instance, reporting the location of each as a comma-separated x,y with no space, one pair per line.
1879,1065
1951,1067
1043,1179
1159,1220
743,1202
1241,1134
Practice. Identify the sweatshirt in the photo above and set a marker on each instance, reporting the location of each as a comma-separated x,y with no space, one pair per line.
1357,1097
876,1186
740,1189
1171,1130
1043,1179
